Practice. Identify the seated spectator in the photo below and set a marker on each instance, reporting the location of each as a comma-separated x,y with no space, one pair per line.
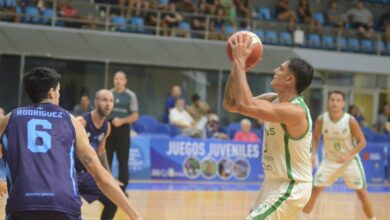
383,118
243,11
170,20
199,20
333,16
355,112
284,13
214,130
84,106
185,5
217,23
171,101
198,110
149,14
179,117
246,135
361,19
305,15
130,5
384,24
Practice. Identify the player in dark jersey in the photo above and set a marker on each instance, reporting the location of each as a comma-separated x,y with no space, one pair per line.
98,129
37,143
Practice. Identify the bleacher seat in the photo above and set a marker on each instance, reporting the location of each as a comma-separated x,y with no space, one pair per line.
137,24
387,50
328,42
265,13
228,29
32,15
149,123
285,38
120,23
314,41
232,128
341,43
259,33
183,25
381,138
164,129
270,37
319,17
48,13
367,46
379,46
368,133
353,44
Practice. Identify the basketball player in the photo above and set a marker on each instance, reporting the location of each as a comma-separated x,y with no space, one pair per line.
98,129
343,140
287,137
38,144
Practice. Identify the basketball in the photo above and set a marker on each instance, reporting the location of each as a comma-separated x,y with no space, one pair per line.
257,52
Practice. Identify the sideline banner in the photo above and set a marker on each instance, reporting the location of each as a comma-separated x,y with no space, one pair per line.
175,159
373,159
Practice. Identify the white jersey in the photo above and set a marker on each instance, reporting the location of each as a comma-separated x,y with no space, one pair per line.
337,136
285,157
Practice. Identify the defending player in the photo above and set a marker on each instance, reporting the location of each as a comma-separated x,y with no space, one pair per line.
98,129
343,140
287,137
38,144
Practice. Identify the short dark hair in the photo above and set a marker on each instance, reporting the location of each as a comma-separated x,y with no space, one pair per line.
303,72
336,92
38,81
195,97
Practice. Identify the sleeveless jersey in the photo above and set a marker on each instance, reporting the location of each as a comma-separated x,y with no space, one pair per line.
337,136
95,136
38,149
285,157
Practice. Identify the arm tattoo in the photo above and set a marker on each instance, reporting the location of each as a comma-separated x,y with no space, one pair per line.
103,159
229,98
86,160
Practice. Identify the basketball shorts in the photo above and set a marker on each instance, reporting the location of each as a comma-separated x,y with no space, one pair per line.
280,200
40,215
88,188
352,173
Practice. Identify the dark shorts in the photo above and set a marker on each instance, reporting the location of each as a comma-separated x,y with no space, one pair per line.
40,215
358,25
88,188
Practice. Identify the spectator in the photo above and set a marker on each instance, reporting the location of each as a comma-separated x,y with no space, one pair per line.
305,15
361,19
149,14
124,113
217,23
199,19
355,112
245,135
171,20
130,5
185,5
384,24
171,101
198,110
179,117
383,118
333,17
243,11
213,128
84,106
284,13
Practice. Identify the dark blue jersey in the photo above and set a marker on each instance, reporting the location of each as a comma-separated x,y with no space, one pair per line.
38,149
95,136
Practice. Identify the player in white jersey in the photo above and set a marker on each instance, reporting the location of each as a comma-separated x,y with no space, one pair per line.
287,137
343,140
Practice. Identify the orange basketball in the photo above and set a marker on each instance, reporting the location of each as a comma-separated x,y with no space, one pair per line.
257,52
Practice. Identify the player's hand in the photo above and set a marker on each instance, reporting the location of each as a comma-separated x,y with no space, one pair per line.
3,188
241,48
116,122
344,159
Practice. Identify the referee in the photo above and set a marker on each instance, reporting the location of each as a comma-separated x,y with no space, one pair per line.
125,112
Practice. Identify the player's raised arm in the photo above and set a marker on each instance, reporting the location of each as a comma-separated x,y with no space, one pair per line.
102,177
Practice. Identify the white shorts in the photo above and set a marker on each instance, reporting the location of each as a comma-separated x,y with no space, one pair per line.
280,200
352,173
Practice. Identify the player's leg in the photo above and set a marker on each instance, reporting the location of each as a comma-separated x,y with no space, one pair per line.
326,175
109,209
123,141
355,178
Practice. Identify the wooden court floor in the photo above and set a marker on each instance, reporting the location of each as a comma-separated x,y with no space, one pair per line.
230,205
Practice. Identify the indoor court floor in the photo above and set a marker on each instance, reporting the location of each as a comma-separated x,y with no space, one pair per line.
216,201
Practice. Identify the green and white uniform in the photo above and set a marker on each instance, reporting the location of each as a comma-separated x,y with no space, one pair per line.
288,171
338,141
